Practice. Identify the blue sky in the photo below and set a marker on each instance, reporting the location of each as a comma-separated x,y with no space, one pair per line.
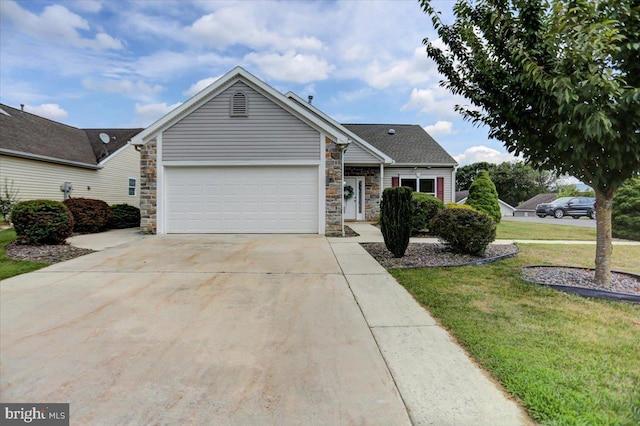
123,63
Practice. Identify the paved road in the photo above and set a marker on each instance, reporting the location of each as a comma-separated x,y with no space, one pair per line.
567,221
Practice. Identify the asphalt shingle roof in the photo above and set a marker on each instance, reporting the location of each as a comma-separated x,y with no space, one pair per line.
410,144
31,134
531,203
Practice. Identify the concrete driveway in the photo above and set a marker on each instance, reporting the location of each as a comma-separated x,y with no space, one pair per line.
242,330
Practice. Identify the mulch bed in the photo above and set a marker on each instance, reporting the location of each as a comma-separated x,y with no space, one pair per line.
581,278
45,253
426,255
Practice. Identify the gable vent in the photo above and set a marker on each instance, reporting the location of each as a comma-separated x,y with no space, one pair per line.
239,107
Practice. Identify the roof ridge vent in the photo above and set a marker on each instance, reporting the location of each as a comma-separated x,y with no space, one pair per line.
391,132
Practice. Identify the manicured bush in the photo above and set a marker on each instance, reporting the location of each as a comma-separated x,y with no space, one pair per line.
395,219
41,222
484,197
464,230
124,216
459,206
425,207
89,215
625,213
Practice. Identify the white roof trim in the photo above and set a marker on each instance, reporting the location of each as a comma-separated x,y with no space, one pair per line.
236,74
364,144
464,200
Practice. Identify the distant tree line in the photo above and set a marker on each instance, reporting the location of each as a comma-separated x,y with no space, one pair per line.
515,182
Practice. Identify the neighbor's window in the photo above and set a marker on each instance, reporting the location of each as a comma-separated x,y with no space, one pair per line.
239,105
132,186
426,185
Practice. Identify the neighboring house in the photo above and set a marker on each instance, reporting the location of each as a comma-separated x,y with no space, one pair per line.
38,156
528,208
240,156
505,208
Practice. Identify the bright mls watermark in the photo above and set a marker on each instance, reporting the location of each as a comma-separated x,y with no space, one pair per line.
34,414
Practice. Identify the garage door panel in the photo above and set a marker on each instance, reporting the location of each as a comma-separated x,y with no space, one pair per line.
242,199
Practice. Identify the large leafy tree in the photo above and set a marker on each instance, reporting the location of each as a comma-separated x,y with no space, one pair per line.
557,81
465,175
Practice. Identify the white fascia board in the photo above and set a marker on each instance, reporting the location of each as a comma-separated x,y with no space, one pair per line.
366,145
236,74
250,163
38,157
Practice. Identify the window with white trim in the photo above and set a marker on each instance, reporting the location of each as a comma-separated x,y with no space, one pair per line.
239,105
425,185
132,187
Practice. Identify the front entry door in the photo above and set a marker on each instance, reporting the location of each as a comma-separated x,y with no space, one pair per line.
354,198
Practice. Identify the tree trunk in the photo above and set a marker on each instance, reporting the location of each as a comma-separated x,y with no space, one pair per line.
604,248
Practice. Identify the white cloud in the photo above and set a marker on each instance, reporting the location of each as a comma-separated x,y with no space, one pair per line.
291,66
245,24
201,84
147,114
138,90
476,154
50,111
435,100
440,128
309,89
414,70
59,24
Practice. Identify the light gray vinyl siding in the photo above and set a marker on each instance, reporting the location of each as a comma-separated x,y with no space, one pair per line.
357,155
432,173
268,132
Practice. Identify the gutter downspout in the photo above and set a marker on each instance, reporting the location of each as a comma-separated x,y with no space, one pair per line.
342,147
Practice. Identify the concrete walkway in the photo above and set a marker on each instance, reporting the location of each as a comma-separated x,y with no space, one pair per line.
438,382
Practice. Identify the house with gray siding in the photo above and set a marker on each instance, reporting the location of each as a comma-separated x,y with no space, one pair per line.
38,157
241,157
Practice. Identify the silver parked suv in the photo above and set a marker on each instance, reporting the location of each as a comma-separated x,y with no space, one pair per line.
575,207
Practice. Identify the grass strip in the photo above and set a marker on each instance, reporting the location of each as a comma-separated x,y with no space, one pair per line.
569,360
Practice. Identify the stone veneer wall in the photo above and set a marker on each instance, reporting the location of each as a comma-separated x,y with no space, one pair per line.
371,189
148,188
333,190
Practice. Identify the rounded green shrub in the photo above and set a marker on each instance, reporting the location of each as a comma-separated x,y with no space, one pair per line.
484,197
395,219
425,207
459,206
41,222
124,216
464,230
89,215
625,212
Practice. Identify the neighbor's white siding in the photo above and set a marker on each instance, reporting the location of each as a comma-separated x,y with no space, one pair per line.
433,172
39,179
268,132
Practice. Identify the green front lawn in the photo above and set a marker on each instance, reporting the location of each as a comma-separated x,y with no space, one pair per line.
10,267
569,360
539,231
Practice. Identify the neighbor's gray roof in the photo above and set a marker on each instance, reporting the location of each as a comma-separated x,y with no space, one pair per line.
410,144
461,195
22,132
531,203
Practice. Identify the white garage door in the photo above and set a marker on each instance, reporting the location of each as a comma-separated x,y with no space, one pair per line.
282,199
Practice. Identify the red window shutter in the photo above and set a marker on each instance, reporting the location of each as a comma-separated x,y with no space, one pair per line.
440,188
395,181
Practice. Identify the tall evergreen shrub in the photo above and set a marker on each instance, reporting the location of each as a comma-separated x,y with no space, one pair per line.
625,212
395,219
425,207
484,197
